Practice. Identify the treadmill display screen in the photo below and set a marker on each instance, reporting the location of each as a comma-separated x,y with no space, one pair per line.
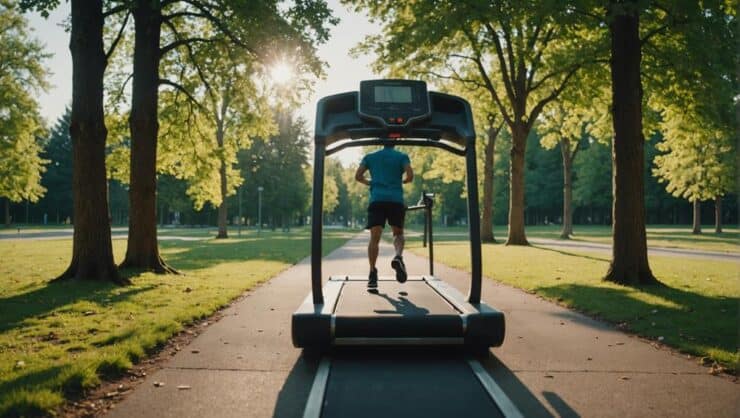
393,94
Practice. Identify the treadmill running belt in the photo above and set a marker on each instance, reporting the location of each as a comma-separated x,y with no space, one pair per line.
409,310
405,384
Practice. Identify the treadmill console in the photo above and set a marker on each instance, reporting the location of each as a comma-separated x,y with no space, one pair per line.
394,102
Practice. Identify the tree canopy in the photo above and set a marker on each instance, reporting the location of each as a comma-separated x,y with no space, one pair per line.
22,77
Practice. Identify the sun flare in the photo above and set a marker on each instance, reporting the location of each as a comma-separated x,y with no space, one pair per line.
281,73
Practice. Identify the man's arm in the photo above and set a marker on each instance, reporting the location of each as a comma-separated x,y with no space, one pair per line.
360,175
409,174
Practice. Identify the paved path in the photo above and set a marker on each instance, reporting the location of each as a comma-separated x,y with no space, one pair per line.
554,362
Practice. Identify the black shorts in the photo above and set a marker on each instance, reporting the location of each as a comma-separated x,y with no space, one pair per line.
379,212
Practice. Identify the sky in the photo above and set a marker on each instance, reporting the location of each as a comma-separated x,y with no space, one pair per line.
344,73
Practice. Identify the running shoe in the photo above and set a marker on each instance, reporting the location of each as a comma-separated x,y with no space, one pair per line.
400,268
372,280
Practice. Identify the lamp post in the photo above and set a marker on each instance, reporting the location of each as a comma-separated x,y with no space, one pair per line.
259,209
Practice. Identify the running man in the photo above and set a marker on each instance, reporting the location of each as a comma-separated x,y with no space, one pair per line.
386,167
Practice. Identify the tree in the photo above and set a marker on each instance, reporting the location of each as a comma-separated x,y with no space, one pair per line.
696,117
58,176
257,28
92,251
629,264
579,113
521,55
698,160
486,226
340,208
542,186
265,163
22,76
592,188
229,110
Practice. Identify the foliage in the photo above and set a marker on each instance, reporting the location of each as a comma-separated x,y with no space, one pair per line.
279,165
57,179
544,183
336,191
694,93
698,161
229,111
593,184
22,76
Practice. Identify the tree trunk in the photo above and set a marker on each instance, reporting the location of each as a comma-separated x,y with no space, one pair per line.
142,251
629,263
486,226
718,215
92,250
696,222
516,183
567,189
222,209
7,212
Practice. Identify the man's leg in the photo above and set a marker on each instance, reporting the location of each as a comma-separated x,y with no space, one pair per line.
372,255
398,240
373,245
397,262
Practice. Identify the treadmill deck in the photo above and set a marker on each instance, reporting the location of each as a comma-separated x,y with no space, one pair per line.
422,311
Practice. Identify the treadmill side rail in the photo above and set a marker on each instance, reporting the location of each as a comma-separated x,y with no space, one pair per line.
484,326
311,325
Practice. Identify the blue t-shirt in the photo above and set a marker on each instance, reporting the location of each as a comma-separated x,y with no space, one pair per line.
386,168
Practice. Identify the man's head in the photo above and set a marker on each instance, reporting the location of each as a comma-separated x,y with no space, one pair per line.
391,144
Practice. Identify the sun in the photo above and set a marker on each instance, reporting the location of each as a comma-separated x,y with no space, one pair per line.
281,73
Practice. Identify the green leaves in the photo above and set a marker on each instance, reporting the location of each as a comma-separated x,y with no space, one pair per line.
22,75
698,161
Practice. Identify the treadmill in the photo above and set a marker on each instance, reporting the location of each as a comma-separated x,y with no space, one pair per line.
429,311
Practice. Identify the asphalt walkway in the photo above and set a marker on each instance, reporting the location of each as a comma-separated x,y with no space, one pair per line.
554,362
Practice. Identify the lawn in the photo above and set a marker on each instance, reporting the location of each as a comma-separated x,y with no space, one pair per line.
696,311
665,236
59,338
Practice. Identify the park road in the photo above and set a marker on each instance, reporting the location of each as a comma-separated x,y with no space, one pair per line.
554,362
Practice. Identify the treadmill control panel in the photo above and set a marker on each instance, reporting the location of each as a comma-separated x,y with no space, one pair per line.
394,102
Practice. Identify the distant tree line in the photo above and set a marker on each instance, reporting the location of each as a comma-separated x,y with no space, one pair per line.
286,199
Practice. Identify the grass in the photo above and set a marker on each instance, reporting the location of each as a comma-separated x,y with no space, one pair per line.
59,338
665,236
696,311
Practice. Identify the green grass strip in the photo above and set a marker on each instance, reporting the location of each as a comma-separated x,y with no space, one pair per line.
59,338
663,236
696,312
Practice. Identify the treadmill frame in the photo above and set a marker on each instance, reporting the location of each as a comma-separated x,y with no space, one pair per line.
338,126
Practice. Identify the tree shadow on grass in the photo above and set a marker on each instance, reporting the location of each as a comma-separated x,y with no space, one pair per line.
685,236
570,254
687,320
38,303
196,255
